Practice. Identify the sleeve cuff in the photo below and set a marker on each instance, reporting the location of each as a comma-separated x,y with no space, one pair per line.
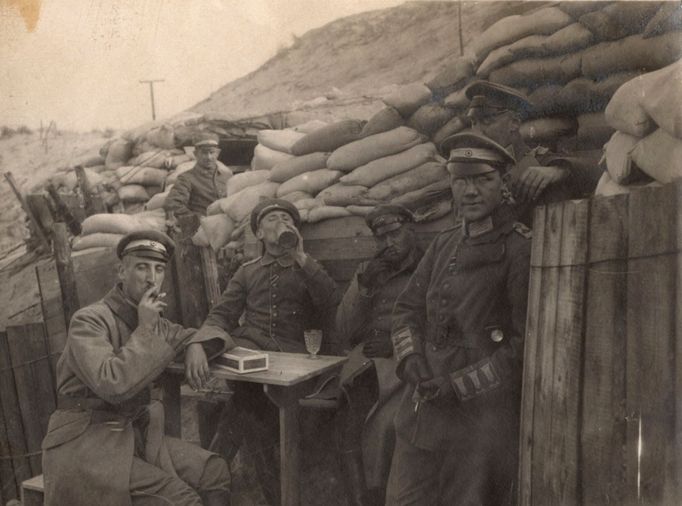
208,333
476,379
403,343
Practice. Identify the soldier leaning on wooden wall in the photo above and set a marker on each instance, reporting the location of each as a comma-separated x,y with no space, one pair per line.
458,331
105,442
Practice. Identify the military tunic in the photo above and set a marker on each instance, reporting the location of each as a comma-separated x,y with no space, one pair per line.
365,315
464,311
279,300
103,379
195,190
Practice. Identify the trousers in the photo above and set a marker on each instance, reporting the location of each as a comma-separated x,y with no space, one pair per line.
152,486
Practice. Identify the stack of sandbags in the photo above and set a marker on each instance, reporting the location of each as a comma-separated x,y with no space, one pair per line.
105,230
647,145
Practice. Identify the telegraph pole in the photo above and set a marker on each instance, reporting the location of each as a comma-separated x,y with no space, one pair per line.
151,92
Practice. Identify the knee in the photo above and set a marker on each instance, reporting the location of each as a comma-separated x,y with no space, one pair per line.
216,475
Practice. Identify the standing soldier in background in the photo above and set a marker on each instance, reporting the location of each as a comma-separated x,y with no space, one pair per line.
368,380
280,295
540,176
105,442
202,185
458,330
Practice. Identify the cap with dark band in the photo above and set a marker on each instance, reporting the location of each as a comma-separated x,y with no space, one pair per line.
146,244
266,206
470,154
206,139
387,217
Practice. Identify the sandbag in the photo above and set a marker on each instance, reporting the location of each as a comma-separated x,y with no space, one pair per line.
173,162
434,192
569,39
542,130
245,179
162,137
326,212
530,46
307,204
593,130
157,201
360,152
118,153
430,117
200,238
659,155
457,100
584,94
287,169
378,170
341,195
328,138
310,126
239,205
496,58
359,210
625,113
265,158
512,28
456,124
618,157
310,182
631,53
122,223
218,229
545,100
295,196
386,119
183,167
156,158
133,193
96,240
214,208
575,8
146,176
432,211
279,140
667,19
607,187
456,71
662,96
421,176
619,19
408,98
530,72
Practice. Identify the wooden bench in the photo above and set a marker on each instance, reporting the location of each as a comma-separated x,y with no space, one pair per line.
32,491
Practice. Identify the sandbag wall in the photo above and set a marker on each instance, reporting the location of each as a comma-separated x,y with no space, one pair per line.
646,149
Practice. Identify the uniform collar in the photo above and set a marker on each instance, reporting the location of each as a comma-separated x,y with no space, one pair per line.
488,230
121,306
409,263
284,260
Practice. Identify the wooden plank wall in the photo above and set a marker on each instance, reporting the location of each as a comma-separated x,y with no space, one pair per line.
602,394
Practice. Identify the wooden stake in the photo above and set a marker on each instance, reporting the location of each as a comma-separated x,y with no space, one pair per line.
39,230
63,211
67,280
92,205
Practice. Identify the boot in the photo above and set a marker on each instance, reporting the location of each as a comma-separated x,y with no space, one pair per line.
216,498
354,476
228,436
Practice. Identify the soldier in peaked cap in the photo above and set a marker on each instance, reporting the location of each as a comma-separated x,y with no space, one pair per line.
106,438
457,331
203,184
539,176
281,294
370,390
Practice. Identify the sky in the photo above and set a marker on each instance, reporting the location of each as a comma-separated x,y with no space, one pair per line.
79,62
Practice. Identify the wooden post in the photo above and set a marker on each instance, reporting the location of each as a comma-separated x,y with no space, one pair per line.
209,270
63,212
67,280
39,230
92,205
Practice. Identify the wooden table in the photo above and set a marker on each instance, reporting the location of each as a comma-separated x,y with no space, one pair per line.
289,378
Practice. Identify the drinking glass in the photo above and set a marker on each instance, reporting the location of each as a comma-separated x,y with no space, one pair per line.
313,341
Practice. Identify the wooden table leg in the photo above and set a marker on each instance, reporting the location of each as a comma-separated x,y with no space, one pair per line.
286,399
170,383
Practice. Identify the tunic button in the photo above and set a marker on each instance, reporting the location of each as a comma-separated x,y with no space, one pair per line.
274,306
497,335
274,295
274,315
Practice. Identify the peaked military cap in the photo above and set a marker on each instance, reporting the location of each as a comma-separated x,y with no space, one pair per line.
207,139
484,94
469,154
387,217
147,244
266,206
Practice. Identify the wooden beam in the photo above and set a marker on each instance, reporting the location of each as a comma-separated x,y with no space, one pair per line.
67,280
63,211
39,229
209,270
